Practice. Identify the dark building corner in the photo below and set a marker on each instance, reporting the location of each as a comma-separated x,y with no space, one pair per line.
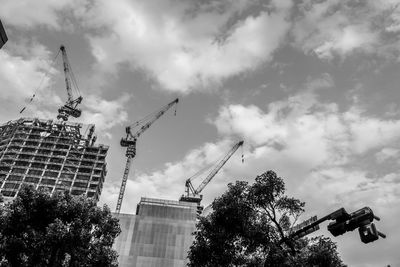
3,35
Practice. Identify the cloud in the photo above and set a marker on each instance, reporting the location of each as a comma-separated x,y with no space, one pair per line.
331,28
29,14
189,45
20,73
185,45
105,114
303,121
386,153
26,70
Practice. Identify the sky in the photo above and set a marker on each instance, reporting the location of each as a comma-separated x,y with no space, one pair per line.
310,86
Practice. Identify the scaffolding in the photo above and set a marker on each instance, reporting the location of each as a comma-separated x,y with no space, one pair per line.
50,155
159,234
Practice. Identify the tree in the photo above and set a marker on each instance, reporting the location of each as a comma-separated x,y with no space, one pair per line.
39,229
249,226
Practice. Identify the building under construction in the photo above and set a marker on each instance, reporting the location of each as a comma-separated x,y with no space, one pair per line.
160,234
51,154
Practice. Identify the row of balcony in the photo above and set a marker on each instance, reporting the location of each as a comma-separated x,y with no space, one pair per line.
57,146
55,153
55,163
55,150
89,193
11,183
63,175
42,163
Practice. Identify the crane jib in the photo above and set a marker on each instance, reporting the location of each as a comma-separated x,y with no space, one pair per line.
192,194
130,143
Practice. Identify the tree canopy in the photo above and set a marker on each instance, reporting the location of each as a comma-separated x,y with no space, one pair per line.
39,229
250,225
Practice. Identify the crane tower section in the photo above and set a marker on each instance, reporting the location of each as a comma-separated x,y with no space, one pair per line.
133,132
192,194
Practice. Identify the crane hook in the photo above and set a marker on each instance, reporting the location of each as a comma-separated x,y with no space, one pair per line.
242,155
30,101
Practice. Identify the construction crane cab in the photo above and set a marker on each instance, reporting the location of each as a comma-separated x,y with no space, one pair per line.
71,106
127,141
70,109
189,195
192,194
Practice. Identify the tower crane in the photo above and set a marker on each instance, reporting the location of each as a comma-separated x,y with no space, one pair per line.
193,194
130,143
70,107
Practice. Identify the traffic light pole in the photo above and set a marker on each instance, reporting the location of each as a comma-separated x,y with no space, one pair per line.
340,213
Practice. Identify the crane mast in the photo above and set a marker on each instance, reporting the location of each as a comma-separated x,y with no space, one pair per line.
193,194
70,107
130,143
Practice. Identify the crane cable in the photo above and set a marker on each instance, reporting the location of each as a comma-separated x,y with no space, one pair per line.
176,108
73,78
40,84
209,167
242,154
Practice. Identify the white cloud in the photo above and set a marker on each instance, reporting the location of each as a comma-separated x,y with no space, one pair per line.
330,28
188,45
105,114
20,74
386,153
25,13
301,122
344,41
26,70
368,132
183,45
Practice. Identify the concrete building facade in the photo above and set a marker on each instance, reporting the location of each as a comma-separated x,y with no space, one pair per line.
3,35
50,154
158,235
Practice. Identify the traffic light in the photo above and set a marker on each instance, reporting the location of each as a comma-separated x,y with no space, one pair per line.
368,233
361,219
338,227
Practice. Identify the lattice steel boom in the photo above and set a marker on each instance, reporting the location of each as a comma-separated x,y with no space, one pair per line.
70,107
